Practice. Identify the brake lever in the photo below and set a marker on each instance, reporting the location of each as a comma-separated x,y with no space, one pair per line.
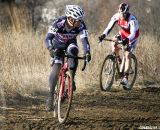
84,65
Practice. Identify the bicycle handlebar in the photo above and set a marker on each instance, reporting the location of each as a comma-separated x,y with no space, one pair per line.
116,42
80,58
108,40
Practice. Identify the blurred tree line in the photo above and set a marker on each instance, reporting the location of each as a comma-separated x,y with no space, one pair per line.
98,13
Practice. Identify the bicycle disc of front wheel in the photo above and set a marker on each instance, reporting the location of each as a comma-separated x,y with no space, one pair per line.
65,99
107,73
132,73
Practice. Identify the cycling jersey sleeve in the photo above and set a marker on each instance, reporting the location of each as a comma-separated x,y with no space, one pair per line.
111,24
84,38
51,33
132,29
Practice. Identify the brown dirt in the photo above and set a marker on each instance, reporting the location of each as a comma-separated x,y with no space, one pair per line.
91,110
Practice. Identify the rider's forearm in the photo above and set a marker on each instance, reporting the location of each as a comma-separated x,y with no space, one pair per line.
132,31
86,46
109,28
132,35
111,24
48,40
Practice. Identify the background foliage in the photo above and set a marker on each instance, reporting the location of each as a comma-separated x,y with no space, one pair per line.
24,63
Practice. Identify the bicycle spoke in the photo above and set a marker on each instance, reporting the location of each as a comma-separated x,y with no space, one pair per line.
107,74
108,69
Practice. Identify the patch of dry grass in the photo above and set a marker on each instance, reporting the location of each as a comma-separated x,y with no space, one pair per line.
148,55
24,63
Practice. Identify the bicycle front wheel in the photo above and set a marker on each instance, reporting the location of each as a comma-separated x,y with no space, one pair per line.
65,97
107,73
55,103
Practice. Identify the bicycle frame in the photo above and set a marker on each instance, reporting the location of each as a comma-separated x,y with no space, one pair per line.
120,68
64,101
62,75
65,69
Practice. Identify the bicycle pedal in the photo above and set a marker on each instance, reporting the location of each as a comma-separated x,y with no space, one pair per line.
127,87
122,83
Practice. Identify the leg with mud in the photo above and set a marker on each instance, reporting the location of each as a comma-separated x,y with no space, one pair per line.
53,78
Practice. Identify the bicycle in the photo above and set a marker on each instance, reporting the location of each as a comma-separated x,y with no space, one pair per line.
111,70
63,91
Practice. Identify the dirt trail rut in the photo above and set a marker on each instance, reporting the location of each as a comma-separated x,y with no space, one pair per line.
91,110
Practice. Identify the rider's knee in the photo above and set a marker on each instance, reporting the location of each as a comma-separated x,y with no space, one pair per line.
72,50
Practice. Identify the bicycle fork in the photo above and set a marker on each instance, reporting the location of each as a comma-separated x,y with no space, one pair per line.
63,85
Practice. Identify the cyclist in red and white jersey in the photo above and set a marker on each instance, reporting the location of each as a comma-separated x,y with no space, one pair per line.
128,33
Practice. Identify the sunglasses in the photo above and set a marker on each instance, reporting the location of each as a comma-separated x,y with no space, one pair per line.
74,20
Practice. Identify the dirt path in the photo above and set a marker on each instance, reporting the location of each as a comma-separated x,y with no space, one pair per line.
91,110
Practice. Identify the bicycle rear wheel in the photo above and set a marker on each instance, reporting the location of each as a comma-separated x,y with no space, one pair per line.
132,73
65,98
107,73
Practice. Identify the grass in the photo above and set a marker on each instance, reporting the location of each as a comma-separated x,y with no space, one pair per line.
148,56
24,64
25,67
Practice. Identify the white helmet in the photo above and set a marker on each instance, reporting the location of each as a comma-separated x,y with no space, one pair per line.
74,11
123,8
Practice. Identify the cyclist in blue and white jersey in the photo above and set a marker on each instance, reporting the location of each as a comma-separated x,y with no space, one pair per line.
62,36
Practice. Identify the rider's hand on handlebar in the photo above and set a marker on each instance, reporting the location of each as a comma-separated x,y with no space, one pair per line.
88,56
52,52
101,38
125,41
115,39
